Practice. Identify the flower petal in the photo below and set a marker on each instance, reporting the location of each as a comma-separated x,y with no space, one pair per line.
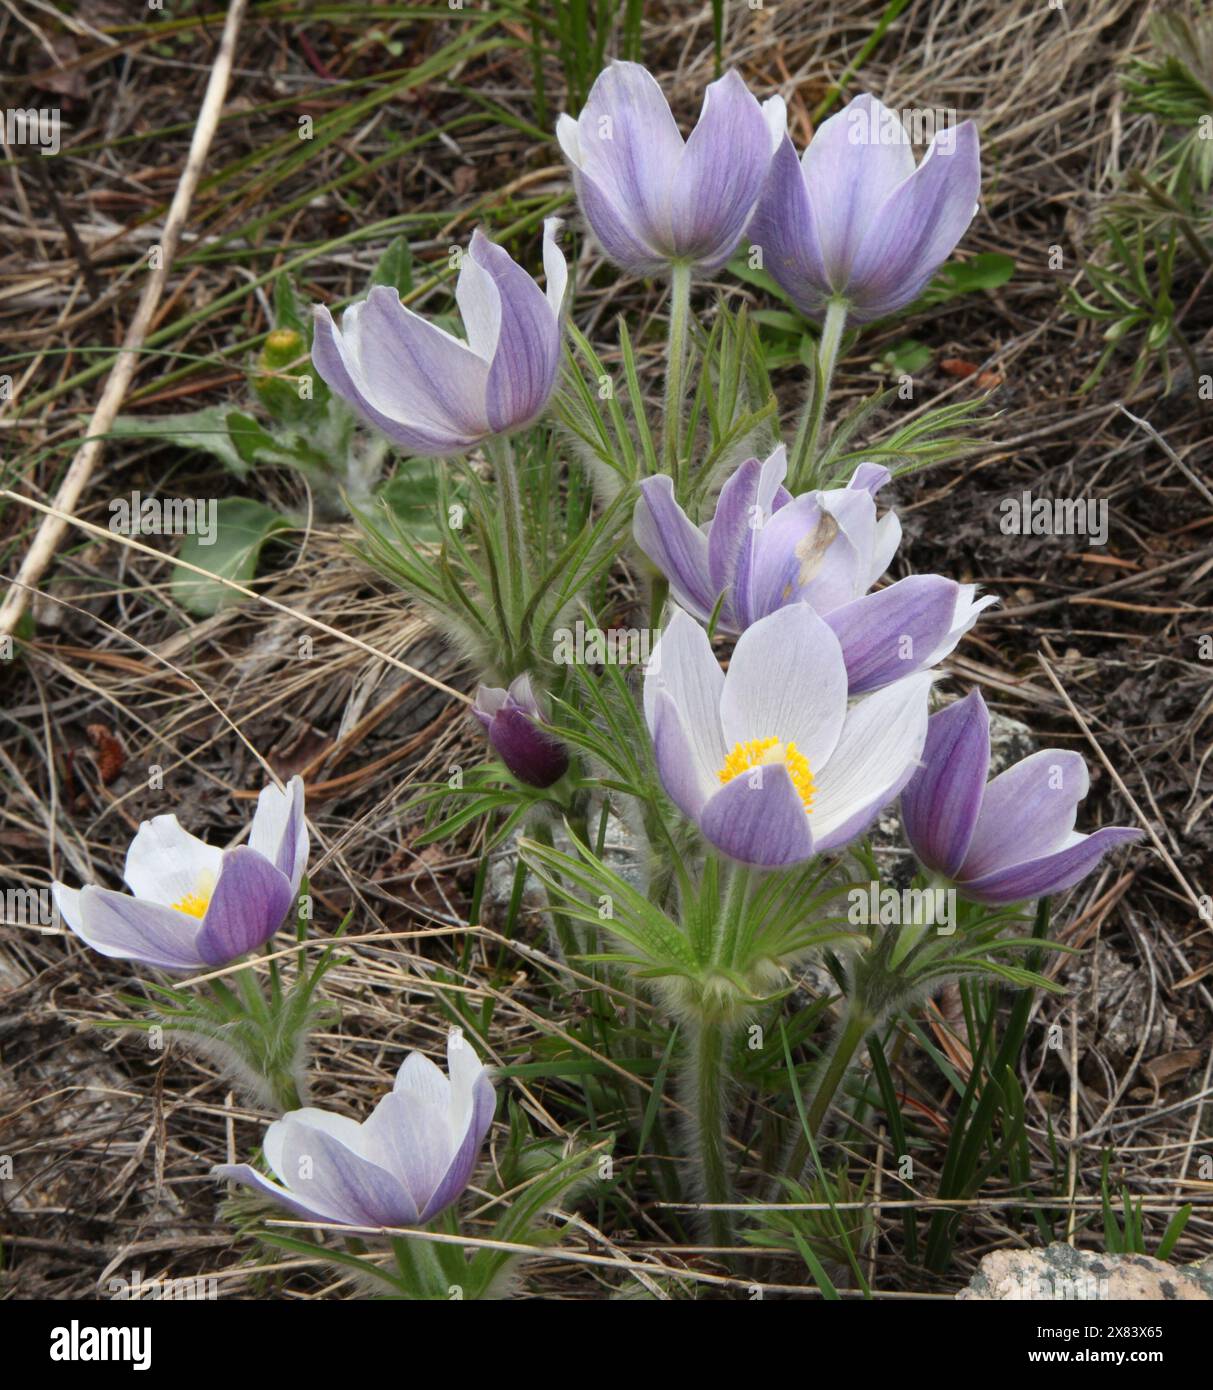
339,1127
917,226
618,239
684,668
678,548
784,229
530,752
940,805
895,632
721,173
1052,873
527,350
854,162
334,356
1027,811
423,1079
854,510
758,818
408,1135
242,1173
323,1173
479,301
165,863
67,900
968,609
127,928
745,505
459,1171
786,680
630,147
473,1101
876,755
250,901
555,267
279,830
688,781
489,699
415,372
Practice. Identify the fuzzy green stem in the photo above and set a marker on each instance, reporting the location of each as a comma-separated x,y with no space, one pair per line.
420,1268
805,450
680,311
657,596
732,916
506,473
707,1041
854,1029
284,1090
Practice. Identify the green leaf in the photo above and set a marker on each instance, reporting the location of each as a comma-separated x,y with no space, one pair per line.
412,495
905,358
205,430
1175,1228
242,528
395,267
986,271
287,311
249,438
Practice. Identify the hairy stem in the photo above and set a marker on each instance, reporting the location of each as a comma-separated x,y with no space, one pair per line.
805,450
854,1029
680,310
707,1042
505,474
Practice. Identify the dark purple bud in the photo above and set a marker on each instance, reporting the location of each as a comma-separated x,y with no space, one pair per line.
513,721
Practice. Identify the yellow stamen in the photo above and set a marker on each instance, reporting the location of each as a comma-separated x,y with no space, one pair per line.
771,752
193,903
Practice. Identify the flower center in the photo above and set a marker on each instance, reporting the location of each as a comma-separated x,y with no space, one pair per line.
193,903
771,752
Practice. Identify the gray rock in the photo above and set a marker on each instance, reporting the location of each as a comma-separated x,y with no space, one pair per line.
1061,1273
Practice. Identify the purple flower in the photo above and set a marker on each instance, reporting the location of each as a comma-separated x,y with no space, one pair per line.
513,720
855,219
770,761
195,906
403,1166
432,392
651,198
1012,839
765,549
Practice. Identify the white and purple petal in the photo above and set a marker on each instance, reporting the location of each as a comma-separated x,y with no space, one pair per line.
678,548
323,1172
251,899
115,924
1051,873
784,229
940,806
279,829
786,680
917,226
1027,811
165,863
758,818
854,162
876,755
527,350
683,668
899,630
722,171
